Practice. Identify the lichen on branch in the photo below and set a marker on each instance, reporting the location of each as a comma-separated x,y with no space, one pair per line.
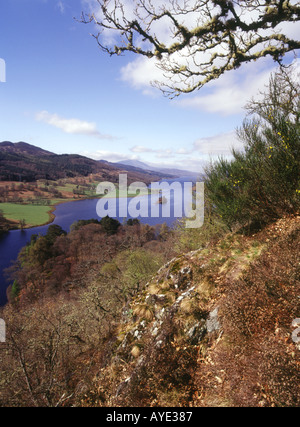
195,41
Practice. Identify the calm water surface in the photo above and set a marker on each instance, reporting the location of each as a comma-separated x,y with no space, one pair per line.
65,215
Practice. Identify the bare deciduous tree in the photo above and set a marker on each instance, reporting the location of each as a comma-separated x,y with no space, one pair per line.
196,41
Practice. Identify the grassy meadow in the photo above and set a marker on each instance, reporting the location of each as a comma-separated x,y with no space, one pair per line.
32,204
32,215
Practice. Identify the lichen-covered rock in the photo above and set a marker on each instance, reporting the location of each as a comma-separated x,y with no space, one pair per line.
212,323
197,332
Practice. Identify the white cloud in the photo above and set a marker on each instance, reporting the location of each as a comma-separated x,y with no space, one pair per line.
227,95
218,145
202,150
70,126
141,149
193,158
184,151
192,164
165,154
160,153
161,27
61,6
140,73
110,156
230,93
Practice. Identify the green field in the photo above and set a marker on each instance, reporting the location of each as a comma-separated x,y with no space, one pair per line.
32,214
36,215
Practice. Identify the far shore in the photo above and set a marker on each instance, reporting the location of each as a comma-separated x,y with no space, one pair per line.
13,213
15,225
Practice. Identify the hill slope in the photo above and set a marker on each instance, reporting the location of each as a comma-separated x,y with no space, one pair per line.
25,162
147,167
23,148
212,328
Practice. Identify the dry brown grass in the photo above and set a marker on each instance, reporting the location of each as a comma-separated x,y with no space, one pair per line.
259,361
143,311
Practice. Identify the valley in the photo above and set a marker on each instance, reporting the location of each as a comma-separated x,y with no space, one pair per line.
33,181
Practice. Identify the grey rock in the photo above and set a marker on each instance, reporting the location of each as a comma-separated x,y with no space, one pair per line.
197,332
212,323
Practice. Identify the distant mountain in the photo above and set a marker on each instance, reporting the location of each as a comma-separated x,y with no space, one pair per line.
25,162
138,169
148,167
135,163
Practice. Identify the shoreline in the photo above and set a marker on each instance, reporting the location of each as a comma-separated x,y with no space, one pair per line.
54,206
15,224
51,214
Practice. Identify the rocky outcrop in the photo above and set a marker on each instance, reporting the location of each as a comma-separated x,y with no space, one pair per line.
204,330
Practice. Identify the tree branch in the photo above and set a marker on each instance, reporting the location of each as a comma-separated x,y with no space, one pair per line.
205,37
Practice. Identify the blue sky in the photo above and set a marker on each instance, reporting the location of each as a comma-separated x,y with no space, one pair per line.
63,94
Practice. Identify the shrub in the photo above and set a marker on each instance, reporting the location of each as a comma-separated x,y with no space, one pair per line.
110,225
262,183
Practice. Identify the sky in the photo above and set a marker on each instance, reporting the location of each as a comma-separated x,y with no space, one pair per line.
63,94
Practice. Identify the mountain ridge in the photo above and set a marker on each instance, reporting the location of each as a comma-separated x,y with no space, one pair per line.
22,147
146,166
25,162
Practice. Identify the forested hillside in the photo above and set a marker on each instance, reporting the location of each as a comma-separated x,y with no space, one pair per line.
25,162
117,314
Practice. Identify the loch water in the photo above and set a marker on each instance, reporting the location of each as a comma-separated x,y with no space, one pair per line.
65,215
